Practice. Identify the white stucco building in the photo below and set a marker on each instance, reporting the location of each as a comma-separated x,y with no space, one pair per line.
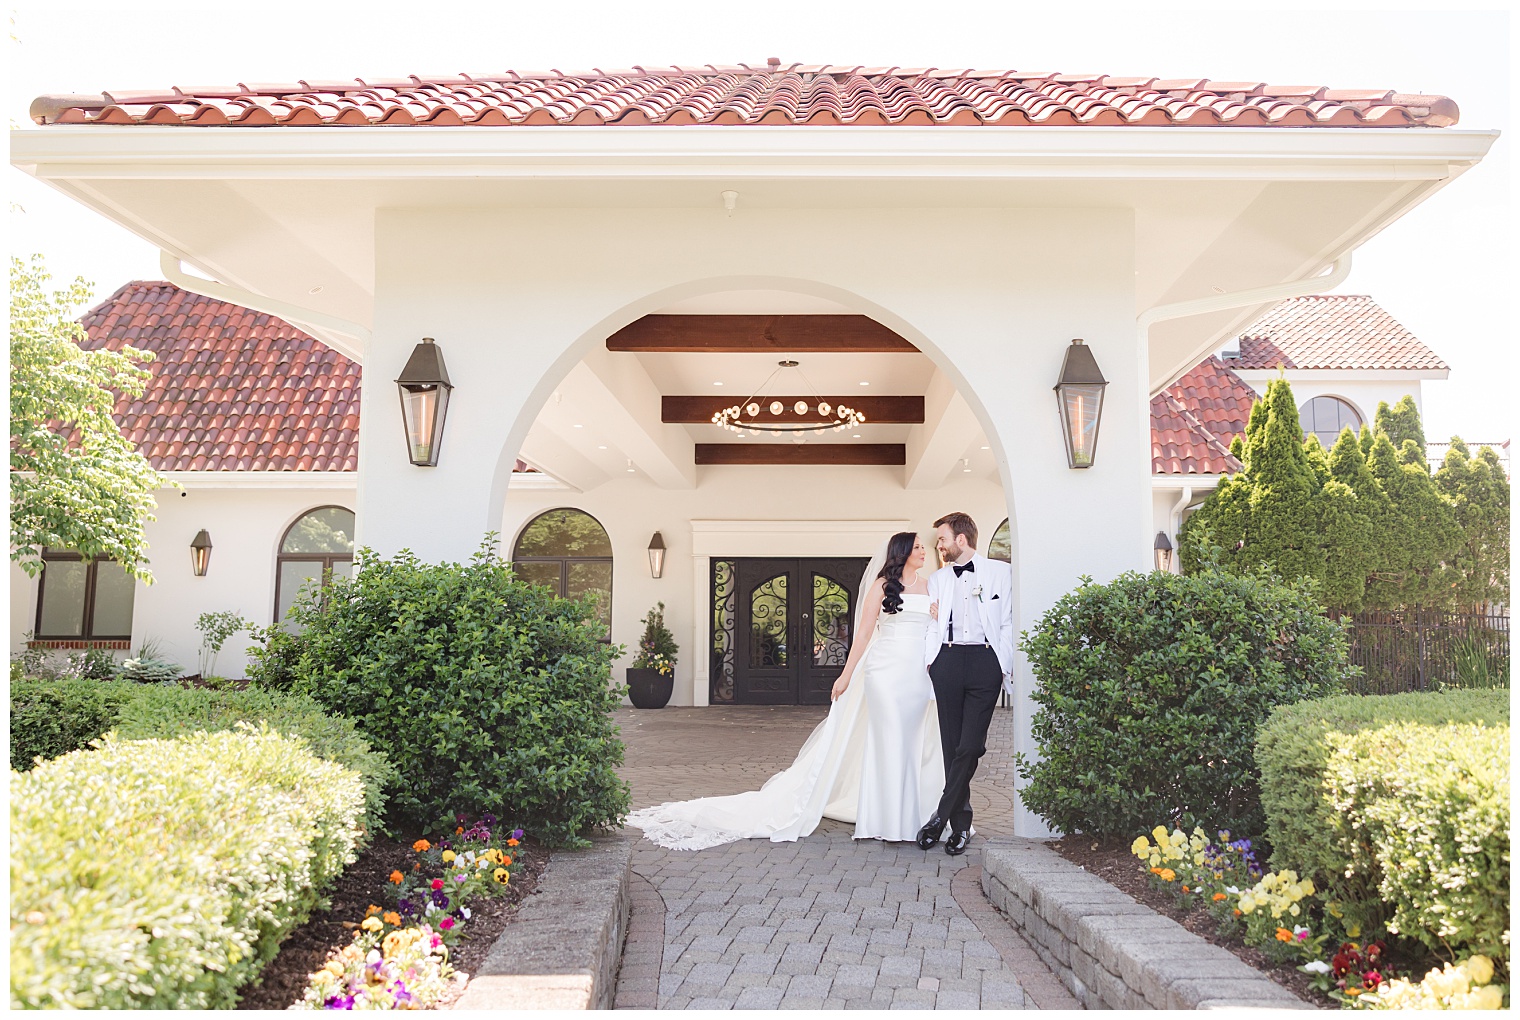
584,247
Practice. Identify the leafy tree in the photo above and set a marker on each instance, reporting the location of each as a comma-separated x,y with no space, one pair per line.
1479,496
76,481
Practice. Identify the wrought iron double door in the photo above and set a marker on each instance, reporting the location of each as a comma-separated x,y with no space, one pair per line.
794,622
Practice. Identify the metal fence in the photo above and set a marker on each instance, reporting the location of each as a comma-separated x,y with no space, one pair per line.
1421,650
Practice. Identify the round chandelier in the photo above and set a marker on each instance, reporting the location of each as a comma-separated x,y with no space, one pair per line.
759,414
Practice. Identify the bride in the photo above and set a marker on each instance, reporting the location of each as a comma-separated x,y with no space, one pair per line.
875,760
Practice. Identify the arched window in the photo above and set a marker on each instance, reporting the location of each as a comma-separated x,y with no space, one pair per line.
1326,416
567,551
319,544
1001,546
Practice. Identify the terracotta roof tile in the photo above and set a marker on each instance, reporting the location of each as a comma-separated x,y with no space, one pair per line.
1193,422
1332,331
742,94
231,389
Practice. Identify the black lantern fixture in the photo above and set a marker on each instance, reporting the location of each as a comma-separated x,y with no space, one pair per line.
200,553
1163,550
656,555
1079,395
424,386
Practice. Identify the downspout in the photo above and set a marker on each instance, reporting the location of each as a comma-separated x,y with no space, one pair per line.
171,267
1175,518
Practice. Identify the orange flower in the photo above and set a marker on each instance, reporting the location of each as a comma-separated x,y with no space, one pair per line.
459,830
511,842
1236,911
1184,888
372,911
396,877
1218,896
422,846
506,859
1284,935
391,917
417,867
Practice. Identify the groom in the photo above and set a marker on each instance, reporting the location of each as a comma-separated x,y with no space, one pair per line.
969,652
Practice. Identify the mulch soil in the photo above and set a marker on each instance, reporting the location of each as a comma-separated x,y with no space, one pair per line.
363,883
1112,861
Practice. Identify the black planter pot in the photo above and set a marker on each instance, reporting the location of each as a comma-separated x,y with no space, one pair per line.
648,689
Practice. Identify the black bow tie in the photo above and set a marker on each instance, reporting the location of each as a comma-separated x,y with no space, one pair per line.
959,570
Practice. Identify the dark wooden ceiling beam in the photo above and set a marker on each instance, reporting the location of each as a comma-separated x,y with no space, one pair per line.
699,410
891,454
758,334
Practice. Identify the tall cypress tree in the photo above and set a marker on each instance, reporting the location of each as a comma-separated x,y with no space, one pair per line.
1479,496
1401,424
1419,534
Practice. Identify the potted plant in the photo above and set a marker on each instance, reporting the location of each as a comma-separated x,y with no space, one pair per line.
652,676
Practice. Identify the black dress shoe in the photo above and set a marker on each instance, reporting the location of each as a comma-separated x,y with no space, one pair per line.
930,833
957,843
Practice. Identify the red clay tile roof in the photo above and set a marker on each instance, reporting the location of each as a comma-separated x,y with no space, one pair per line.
1332,331
232,389
1193,422
741,94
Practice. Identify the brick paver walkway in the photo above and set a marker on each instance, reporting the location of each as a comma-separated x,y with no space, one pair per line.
820,923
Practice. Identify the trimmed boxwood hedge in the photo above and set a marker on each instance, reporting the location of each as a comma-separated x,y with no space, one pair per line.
1398,807
1151,688
163,874
52,717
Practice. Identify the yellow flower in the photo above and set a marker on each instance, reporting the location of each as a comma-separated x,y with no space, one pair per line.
1480,969
372,924
1247,903
501,875
1141,847
1160,833
448,855
1487,997
334,968
1167,874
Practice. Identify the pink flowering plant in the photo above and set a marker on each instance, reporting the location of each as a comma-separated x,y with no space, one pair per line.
477,859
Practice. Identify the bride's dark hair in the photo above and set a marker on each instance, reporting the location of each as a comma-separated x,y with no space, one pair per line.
899,548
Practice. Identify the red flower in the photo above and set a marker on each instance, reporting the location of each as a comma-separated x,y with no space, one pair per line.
446,923
1372,979
437,883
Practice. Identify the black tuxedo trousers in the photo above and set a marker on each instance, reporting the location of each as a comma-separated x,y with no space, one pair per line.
967,680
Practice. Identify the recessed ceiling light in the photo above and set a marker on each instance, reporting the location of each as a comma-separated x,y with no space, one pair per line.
865,384
717,384
315,290
857,435
986,447
601,448
580,426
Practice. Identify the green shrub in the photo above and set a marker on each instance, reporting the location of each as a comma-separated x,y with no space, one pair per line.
166,712
164,873
1417,757
272,657
53,717
489,694
1150,692
149,671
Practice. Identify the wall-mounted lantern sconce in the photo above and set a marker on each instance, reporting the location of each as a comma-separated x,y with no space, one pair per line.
1080,397
656,555
200,553
424,386
1163,552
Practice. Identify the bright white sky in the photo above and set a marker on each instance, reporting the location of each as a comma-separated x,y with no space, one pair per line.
1443,271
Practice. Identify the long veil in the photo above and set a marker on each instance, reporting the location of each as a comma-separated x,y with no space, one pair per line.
823,780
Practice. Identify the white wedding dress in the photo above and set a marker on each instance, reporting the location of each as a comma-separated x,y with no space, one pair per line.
875,760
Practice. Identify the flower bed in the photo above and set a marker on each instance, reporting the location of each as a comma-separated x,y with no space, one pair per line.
366,890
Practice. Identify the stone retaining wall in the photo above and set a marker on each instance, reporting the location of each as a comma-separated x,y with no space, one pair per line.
561,950
1109,951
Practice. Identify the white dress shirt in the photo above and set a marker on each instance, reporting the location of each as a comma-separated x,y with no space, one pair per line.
965,614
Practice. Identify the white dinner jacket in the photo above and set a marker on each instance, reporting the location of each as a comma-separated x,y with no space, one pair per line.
995,605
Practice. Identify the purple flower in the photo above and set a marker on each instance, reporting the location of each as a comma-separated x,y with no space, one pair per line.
517,834
444,844
439,899
398,990
339,1002
487,819
405,906
459,877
